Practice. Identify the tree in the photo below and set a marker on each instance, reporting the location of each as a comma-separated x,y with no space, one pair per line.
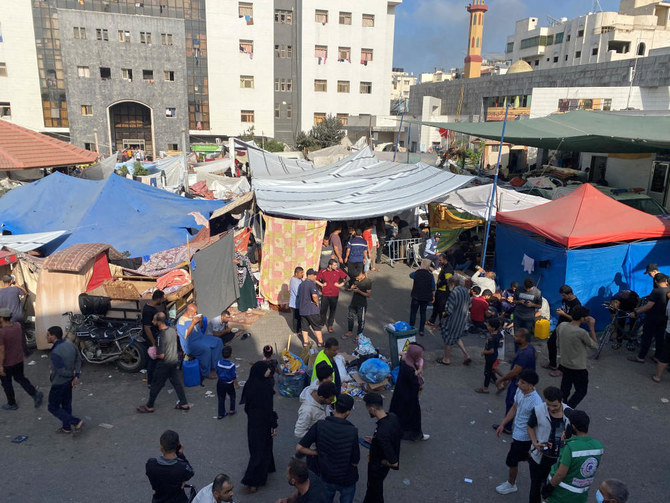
248,135
272,145
304,141
328,132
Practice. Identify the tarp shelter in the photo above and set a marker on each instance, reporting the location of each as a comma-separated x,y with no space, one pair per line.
28,242
130,216
586,240
101,170
22,148
359,186
578,131
476,200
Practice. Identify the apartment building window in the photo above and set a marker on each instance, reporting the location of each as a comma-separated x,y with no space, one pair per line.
247,116
283,16
277,110
283,51
366,88
343,86
145,37
80,32
594,51
170,112
3,69
247,81
166,38
83,72
555,59
345,18
343,118
344,54
578,54
580,33
173,146
127,74
245,9
5,110
510,47
105,73
283,85
566,57
148,75
168,76
321,16
368,20
102,34
568,38
289,111
366,56
320,86
558,38
124,36
87,110
246,46
321,52
319,117
89,146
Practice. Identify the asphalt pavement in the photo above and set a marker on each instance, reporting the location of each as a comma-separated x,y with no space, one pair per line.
463,461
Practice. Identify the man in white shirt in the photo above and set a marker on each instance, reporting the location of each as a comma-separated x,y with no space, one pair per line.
219,491
430,252
486,280
218,327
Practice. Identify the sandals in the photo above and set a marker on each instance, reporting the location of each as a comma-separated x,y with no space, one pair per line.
442,362
63,430
635,359
482,390
182,407
143,409
348,335
655,379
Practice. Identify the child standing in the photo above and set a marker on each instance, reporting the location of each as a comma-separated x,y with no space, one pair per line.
227,383
490,353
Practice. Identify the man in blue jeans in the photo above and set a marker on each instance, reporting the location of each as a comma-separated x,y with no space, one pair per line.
337,450
65,370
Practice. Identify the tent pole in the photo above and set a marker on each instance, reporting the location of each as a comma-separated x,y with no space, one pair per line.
493,190
395,150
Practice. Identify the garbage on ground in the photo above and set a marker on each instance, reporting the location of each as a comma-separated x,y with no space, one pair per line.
374,371
665,400
32,362
291,364
290,385
107,426
365,346
469,481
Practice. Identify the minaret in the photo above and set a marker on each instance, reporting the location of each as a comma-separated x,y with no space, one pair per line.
473,61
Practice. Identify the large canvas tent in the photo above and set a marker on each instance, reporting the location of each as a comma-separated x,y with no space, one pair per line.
130,216
579,131
585,239
476,200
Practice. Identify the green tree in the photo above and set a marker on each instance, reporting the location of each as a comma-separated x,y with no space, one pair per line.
248,135
304,141
272,145
328,132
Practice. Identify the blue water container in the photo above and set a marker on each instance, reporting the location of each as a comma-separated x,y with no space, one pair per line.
191,373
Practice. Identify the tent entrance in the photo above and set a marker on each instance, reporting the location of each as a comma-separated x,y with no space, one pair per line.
131,126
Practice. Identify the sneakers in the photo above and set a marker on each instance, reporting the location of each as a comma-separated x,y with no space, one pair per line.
425,436
8,406
38,399
506,488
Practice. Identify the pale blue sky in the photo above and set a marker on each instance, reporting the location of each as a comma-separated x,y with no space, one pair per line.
434,33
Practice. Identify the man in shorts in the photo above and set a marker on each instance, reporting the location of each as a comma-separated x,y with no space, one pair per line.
308,305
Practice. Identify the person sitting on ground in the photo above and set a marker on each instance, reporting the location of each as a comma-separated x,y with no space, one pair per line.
486,280
478,309
490,353
169,473
507,300
219,326
219,491
192,328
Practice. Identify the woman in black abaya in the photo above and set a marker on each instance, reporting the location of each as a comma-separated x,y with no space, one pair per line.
405,400
257,398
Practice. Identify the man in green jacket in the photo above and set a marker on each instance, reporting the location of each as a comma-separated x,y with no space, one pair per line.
328,354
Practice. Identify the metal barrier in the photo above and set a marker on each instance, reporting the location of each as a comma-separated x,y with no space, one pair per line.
400,249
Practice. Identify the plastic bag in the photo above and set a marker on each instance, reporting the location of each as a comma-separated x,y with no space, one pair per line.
290,363
401,326
374,370
290,386
365,346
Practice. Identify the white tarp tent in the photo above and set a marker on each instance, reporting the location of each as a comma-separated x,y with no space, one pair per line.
476,200
29,242
101,170
359,186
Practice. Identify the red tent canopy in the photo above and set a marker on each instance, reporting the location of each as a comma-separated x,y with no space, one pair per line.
586,216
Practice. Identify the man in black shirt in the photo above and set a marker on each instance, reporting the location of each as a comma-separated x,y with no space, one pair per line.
655,320
308,487
362,289
569,301
384,447
150,330
337,449
168,473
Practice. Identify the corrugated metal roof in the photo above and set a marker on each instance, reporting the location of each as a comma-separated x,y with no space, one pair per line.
22,148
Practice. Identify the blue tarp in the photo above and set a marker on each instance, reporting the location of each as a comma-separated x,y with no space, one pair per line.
123,213
595,274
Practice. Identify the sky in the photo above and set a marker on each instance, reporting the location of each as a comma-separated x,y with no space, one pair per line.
434,33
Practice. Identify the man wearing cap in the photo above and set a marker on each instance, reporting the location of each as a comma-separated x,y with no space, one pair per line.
571,478
337,450
11,361
308,305
653,327
430,252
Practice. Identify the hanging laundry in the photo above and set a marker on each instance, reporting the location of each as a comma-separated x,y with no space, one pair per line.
528,264
249,20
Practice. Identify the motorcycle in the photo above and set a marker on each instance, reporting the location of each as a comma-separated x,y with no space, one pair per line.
103,340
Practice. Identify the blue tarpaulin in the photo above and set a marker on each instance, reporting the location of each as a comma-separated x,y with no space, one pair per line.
123,213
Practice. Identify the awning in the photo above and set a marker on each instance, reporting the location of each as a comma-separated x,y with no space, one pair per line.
29,242
578,131
476,200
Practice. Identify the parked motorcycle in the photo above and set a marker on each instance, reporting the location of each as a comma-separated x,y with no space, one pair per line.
101,340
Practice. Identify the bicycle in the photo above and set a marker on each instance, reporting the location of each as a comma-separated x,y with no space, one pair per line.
631,336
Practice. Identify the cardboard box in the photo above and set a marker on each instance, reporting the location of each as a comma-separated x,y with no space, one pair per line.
369,386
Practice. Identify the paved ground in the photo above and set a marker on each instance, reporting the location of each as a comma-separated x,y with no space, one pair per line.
101,464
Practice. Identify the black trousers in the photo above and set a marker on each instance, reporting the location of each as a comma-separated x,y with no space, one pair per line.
538,474
375,489
439,305
297,322
328,304
15,372
552,349
651,331
223,389
420,306
489,374
577,378
162,373
151,367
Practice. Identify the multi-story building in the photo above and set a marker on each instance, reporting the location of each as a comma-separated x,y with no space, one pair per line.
401,81
120,73
638,27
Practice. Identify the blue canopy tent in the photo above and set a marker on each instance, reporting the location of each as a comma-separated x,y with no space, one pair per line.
586,240
123,213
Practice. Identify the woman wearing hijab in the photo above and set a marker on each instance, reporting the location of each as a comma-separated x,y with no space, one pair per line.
261,425
423,293
405,401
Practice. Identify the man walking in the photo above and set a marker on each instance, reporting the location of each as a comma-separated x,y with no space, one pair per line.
524,359
150,331
569,301
384,447
362,289
577,464
337,450
457,313
330,279
441,290
11,361
310,312
527,300
10,298
357,255
166,368
65,370
655,319
168,473
574,342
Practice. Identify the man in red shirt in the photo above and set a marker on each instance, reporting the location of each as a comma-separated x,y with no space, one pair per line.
11,361
478,309
330,279
367,235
